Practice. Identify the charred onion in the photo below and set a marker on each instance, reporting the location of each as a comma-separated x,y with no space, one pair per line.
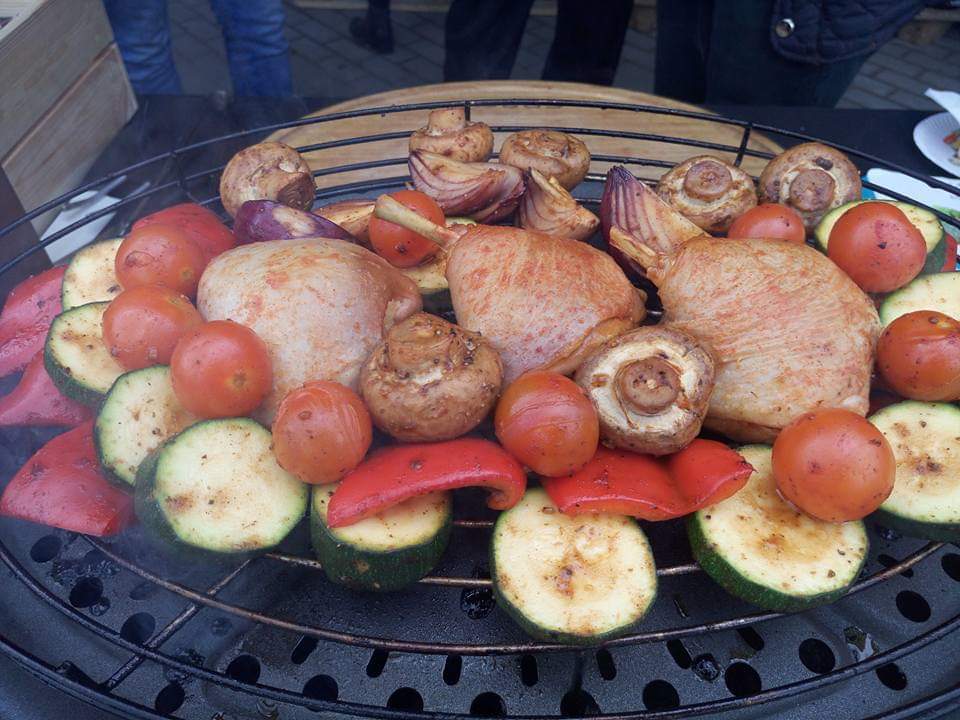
550,208
449,133
485,192
352,215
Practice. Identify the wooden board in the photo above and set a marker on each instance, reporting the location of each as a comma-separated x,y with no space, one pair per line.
529,116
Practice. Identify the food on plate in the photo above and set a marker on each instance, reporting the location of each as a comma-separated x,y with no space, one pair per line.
221,369
351,215
385,552
267,171
925,501
321,432
27,314
766,309
395,474
485,192
877,246
555,154
61,486
159,255
217,487
399,245
448,132
770,221
200,224
543,302
940,292
548,423
812,179
570,580
709,192
549,208
260,220
320,305
430,380
76,357
142,325
37,401
139,413
918,356
833,465
759,548
91,275
651,387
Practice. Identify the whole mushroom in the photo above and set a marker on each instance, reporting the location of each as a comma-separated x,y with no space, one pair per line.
267,171
430,380
554,154
708,192
651,388
449,133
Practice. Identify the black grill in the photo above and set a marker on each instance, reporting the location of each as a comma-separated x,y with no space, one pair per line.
126,627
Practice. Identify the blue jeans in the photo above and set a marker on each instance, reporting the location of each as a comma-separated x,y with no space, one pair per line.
257,50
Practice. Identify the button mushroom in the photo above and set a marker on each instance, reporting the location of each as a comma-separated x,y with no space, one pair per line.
812,179
267,171
651,388
449,133
555,154
708,192
430,380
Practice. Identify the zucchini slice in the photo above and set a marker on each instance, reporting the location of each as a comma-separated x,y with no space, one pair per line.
569,579
90,276
76,357
939,291
431,277
925,438
759,548
217,487
387,552
139,413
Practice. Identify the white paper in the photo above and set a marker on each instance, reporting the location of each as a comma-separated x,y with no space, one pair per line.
947,99
59,249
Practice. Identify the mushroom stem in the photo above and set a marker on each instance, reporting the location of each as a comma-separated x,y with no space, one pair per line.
648,386
393,211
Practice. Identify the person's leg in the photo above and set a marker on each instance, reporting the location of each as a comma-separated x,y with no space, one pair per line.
374,30
683,34
142,32
256,47
482,38
587,41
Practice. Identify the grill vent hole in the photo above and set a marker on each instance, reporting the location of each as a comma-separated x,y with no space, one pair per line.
679,654
138,628
660,695
302,651
244,668
529,675
488,704
817,656
951,565
375,665
742,680
751,637
169,699
578,703
912,606
451,669
888,562
45,549
86,592
405,699
321,687
605,664
892,676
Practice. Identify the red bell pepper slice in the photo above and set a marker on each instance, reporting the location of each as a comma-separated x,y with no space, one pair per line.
950,251
398,473
37,401
199,223
706,472
61,486
26,318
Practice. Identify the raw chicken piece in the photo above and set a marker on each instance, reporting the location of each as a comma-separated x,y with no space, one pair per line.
320,305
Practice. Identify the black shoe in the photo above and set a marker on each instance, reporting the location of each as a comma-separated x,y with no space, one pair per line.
374,32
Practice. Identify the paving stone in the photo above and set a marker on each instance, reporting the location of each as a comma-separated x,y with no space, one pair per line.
939,81
868,100
890,62
914,101
872,85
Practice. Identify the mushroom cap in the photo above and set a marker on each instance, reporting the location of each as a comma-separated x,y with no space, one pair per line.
267,171
449,133
651,388
708,191
555,154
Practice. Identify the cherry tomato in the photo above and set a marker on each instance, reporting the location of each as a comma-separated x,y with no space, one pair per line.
833,465
548,423
221,369
877,246
142,325
399,246
919,356
770,220
199,223
321,432
160,255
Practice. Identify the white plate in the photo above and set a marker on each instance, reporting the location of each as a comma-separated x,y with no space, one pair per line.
928,136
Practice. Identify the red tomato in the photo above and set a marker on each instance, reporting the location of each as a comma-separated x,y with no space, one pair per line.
160,255
833,465
221,369
919,356
877,246
770,220
399,246
548,423
950,256
142,325
321,432
200,224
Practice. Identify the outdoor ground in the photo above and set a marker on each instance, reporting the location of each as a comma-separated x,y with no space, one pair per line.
327,64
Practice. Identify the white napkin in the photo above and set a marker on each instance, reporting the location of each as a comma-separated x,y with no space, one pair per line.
947,99
59,249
